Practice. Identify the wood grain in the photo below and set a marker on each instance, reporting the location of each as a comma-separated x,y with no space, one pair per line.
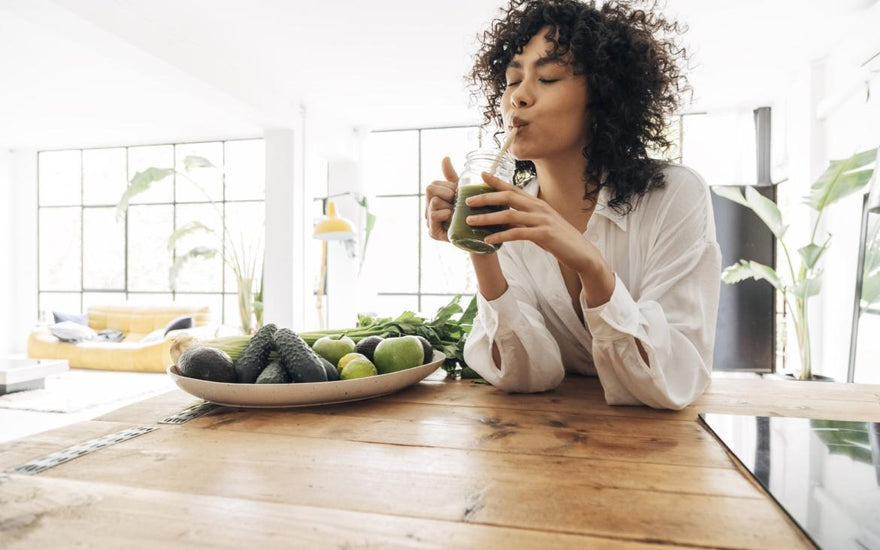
443,464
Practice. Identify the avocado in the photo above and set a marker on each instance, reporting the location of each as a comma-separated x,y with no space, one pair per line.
206,363
274,373
332,372
255,356
297,358
428,348
367,346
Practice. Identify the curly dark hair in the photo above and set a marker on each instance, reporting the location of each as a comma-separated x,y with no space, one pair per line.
633,68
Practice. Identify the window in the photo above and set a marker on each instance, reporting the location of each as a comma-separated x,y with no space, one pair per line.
410,270
87,256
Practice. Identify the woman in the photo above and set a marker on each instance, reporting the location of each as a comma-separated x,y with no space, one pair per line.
610,266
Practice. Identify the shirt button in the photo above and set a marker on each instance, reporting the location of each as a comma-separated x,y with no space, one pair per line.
593,238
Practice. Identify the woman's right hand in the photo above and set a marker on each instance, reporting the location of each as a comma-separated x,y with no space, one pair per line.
440,200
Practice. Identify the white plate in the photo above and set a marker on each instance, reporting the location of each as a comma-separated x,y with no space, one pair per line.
304,394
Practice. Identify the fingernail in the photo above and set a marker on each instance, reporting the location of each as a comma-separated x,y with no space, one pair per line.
469,201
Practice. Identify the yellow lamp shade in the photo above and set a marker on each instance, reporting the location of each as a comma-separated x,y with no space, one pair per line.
332,227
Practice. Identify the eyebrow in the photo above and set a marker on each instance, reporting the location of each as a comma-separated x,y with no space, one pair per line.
542,61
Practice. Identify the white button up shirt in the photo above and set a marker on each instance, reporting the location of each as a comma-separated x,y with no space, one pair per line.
668,274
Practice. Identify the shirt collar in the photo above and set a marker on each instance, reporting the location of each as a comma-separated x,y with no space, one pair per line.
602,209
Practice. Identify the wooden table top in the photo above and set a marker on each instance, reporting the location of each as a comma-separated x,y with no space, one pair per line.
442,464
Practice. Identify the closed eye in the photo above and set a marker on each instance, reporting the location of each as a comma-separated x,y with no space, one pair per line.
512,84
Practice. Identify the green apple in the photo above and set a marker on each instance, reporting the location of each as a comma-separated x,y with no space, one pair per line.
332,348
401,353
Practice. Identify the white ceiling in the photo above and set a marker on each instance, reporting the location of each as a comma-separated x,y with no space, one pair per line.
90,72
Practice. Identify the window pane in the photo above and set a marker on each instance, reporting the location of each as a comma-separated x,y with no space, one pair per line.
231,318
103,175
199,273
391,263
209,179
392,306
91,299
60,252
62,302
60,178
431,304
245,170
721,148
153,156
391,163
103,249
246,224
445,268
149,298
149,261
454,143
213,301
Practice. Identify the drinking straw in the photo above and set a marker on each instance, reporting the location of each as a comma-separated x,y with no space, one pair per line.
507,143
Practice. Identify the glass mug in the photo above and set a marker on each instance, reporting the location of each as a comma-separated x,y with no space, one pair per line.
470,183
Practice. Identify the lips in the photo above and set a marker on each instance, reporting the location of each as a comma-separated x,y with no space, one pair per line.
518,122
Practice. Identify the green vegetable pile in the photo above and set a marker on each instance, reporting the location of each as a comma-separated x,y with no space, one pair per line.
447,332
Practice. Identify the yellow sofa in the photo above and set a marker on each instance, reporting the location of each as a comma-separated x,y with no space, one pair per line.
129,355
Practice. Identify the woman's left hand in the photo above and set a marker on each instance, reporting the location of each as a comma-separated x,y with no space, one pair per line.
532,219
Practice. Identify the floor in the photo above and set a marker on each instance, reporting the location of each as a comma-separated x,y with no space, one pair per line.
16,423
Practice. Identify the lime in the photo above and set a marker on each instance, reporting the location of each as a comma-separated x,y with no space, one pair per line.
349,357
358,368
401,353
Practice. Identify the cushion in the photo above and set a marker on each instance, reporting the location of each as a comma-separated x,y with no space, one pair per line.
80,319
68,331
110,335
182,322
156,336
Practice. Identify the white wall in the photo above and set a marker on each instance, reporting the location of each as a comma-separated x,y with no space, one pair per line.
824,116
852,124
6,264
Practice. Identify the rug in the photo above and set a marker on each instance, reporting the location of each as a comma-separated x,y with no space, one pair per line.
80,389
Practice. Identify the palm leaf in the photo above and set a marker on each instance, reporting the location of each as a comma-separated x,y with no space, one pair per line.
808,287
811,253
767,210
731,192
871,277
191,254
187,229
842,178
747,269
763,207
139,183
195,161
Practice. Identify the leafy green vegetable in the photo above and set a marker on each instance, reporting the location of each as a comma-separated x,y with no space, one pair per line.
447,332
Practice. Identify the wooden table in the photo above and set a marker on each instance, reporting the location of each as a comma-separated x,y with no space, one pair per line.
443,464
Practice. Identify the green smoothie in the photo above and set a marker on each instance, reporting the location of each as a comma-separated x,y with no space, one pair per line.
469,237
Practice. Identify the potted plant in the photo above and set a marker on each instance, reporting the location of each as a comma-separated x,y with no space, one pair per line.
244,259
801,277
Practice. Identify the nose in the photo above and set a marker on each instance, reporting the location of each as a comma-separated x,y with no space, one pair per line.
522,96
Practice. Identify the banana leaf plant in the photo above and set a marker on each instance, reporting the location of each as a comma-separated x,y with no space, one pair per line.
242,258
801,277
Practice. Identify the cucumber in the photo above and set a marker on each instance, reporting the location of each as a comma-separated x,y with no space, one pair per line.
255,356
332,372
274,373
297,358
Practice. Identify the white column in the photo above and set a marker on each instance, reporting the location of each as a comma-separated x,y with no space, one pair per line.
283,204
22,259
343,177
